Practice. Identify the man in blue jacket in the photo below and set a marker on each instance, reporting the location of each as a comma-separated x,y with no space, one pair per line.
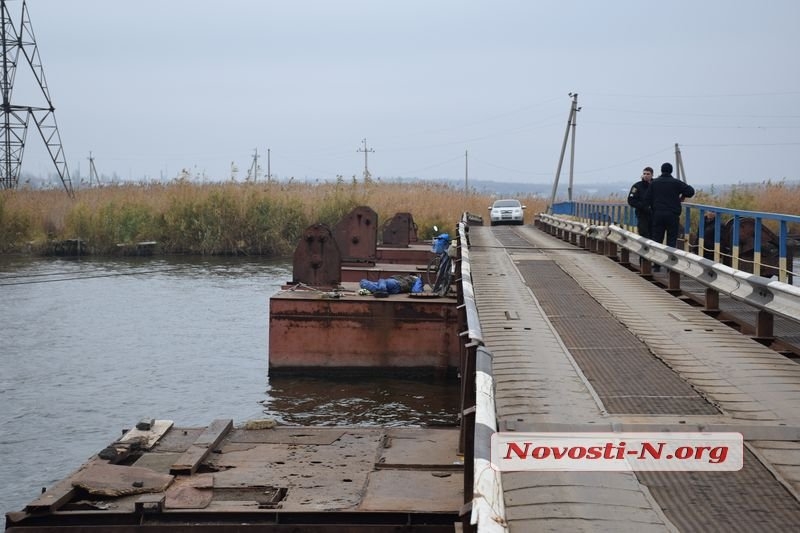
664,196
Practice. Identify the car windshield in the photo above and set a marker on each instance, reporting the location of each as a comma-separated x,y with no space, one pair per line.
506,203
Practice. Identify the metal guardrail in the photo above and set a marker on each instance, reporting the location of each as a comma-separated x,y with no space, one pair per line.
708,223
774,297
473,323
488,507
479,417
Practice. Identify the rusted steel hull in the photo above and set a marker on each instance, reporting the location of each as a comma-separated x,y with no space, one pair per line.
414,254
308,330
356,273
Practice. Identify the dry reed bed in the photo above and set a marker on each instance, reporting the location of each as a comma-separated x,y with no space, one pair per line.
221,218
267,218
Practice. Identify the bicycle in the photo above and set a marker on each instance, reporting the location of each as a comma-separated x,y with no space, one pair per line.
439,273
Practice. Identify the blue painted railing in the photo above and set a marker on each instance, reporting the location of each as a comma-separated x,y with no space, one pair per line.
621,214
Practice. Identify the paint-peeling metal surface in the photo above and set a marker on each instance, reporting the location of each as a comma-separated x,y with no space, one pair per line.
310,329
269,479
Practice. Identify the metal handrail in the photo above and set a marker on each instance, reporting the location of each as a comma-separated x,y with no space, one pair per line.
695,216
774,296
487,504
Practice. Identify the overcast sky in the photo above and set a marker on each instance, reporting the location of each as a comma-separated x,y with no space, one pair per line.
154,86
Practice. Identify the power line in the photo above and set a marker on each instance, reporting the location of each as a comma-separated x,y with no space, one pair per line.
714,115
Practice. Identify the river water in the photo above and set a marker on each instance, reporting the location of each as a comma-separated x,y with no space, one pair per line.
90,347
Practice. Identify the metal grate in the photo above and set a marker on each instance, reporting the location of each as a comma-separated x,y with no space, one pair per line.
744,501
625,375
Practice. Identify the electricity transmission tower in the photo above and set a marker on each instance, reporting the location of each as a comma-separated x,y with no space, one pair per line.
17,117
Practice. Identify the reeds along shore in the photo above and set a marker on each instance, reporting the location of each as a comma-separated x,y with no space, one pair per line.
263,219
267,218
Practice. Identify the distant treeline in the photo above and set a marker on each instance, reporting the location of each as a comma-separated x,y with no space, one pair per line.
220,218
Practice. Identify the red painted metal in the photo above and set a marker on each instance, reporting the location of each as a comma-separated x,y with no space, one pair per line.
308,330
400,230
357,236
378,271
414,254
317,261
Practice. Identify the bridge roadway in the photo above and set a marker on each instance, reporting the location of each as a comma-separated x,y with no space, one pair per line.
580,341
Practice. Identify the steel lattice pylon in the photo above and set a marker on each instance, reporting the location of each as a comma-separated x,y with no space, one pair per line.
17,117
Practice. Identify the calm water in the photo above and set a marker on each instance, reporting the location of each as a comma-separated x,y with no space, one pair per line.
88,348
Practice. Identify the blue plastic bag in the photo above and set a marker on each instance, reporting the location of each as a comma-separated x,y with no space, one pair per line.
418,285
440,243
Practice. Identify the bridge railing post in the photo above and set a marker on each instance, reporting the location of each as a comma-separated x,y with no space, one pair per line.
765,325
711,301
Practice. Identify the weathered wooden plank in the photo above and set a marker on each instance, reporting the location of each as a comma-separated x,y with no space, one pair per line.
148,437
188,463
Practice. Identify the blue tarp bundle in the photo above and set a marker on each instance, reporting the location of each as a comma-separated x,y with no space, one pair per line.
393,285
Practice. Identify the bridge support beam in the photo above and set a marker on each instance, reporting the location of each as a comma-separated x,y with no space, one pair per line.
712,301
611,250
765,322
674,282
625,257
645,267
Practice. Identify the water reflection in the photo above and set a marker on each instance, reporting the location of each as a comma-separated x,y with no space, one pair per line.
362,400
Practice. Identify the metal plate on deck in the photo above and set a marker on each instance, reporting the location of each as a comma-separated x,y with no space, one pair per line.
116,480
286,436
407,448
410,490
625,375
750,501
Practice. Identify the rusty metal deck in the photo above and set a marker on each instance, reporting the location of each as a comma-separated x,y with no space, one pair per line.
263,479
578,339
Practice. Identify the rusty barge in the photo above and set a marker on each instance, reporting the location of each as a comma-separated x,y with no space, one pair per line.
319,321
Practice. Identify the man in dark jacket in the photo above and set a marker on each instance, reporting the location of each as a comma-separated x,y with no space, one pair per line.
644,220
664,196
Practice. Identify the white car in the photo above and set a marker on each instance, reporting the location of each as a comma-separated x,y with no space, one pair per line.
506,212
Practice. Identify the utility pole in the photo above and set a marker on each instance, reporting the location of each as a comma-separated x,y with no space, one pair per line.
253,171
573,111
680,173
93,171
17,117
269,168
366,151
